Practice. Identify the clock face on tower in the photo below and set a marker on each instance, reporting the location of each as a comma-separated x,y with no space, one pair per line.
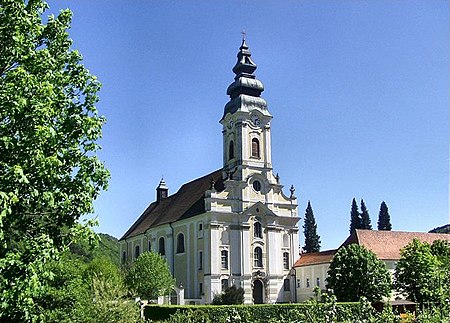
255,120
230,124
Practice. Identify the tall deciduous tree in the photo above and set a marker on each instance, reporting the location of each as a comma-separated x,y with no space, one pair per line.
422,273
356,272
384,219
49,126
355,217
312,239
149,276
365,218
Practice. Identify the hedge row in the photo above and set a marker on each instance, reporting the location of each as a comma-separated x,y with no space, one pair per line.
318,312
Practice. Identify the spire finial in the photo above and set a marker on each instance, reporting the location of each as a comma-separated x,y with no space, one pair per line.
292,190
243,34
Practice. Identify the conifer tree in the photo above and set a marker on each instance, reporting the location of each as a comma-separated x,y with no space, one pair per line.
384,219
312,239
365,218
355,217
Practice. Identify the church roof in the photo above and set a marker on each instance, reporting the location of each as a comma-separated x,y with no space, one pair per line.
387,244
187,202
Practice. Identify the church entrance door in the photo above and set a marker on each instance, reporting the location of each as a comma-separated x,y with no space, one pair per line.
257,292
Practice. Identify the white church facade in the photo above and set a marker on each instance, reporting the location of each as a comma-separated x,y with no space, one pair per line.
234,226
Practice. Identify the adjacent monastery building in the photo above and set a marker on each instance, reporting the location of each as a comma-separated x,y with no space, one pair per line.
311,269
234,226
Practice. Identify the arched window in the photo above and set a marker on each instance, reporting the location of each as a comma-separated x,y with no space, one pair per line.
255,147
180,243
286,260
149,246
162,247
257,257
231,150
257,230
124,257
224,258
224,284
137,251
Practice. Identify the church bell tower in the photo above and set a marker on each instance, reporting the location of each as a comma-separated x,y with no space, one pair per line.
246,123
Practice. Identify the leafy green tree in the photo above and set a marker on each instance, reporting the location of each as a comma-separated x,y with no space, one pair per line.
149,276
108,294
49,173
355,217
384,219
422,273
65,294
85,291
312,239
365,218
356,272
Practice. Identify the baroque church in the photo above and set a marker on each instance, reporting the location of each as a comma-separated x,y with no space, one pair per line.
234,226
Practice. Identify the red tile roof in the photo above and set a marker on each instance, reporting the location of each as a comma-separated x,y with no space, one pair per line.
387,244
315,258
187,202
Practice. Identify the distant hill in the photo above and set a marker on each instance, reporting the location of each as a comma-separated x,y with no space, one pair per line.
444,229
108,247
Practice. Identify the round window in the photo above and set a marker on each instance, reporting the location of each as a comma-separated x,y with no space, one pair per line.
257,186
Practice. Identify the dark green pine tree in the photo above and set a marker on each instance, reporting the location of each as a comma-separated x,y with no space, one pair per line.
312,239
365,218
355,217
384,219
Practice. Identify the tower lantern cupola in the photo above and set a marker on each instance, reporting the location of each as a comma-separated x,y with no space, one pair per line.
246,89
162,191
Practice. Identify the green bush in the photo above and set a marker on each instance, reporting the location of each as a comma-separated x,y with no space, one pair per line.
317,312
231,296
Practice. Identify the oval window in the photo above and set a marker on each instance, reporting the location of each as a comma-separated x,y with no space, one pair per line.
257,186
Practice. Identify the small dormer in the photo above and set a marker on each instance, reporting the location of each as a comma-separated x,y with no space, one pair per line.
162,191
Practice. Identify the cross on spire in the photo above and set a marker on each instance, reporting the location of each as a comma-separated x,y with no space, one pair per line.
243,34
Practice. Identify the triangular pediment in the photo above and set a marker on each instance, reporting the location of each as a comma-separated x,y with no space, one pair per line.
260,209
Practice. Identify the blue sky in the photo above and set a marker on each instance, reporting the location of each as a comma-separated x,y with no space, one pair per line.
359,91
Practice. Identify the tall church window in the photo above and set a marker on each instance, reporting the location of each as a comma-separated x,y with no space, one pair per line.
124,257
224,284
180,243
137,251
224,259
287,285
286,260
149,246
255,147
162,247
257,257
200,230
231,150
200,260
257,230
